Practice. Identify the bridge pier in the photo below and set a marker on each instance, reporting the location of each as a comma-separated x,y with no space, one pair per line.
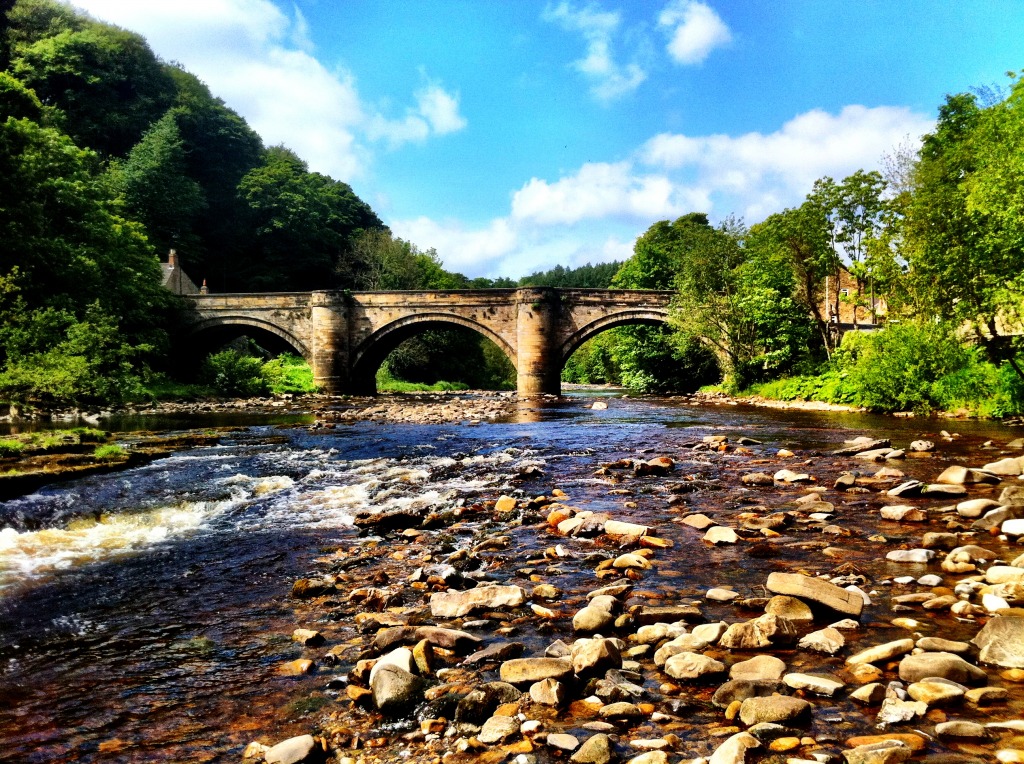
538,369
330,346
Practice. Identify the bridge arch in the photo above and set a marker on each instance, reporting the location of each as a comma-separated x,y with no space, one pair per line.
372,351
223,325
633,317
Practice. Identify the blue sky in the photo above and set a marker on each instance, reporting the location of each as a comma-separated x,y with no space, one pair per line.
514,136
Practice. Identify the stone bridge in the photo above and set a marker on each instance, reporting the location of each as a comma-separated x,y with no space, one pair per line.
345,336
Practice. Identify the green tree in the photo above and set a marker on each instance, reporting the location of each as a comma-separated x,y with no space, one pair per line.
302,222
156,188
106,81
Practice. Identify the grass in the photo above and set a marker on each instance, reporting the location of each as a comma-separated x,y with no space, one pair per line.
10,448
388,384
109,453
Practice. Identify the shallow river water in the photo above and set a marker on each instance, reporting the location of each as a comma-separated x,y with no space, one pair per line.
144,614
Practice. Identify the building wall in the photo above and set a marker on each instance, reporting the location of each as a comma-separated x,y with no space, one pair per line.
845,288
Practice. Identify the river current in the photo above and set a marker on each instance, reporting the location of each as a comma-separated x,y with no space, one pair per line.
144,614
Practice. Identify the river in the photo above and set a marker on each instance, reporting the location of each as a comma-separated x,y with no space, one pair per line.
144,614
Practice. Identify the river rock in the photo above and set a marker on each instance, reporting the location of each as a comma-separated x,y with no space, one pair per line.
548,692
720,534
592,618
819,685
498,729
620,528
915,668
903,513
692,666
1013,527
881,652
1004,574
790,608
479,704
496,651
698,521
401,657
649,614
684,643
870,694
829,641
906,488
734,749
454,604
757,479
910,555
1001,642
935,692
973,508
596,749
1010,467
961,730
295,750
897,711
781,709
595,656
759,668
721,595
922,446
788,476
528,670
740,689
861,444
884,752
758,633
957,476
395,690
943,490
817,591
563,741
650,757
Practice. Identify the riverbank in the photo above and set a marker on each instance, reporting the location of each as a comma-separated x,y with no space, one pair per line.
723,602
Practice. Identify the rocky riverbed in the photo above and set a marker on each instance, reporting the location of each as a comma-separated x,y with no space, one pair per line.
724,602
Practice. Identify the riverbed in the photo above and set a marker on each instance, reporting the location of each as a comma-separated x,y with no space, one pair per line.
146,615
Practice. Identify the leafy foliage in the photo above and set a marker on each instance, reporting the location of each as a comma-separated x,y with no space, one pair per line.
232,373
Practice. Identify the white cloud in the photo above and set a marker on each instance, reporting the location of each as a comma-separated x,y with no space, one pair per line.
589,215
608,79
261,63
601,190
694,30
762,172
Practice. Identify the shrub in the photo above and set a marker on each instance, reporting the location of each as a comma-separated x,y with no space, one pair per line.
289,374
234,374
109,453
10,448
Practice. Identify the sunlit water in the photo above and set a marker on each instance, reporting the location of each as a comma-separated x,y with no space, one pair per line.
143,614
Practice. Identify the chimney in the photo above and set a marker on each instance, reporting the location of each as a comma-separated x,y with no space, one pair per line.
203,289
172,258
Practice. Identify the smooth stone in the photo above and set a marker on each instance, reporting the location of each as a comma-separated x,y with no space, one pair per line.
774,708
650,757
596,749
738,690
910,555
631,560
595,656
498,729
881,652
960,729
529,670
721,595
870,694
395,690
936,693
592,618
819,685
914,741
794,609
940,645
734,749
915,668
620,528
401,657
295,750
720,534
563,741
903,513
692,666
896,711
620,710
759,668
1010,467
816,590
700,522
757,479
973,508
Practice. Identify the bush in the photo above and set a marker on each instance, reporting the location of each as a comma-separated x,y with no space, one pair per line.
289,374
10,448
234,374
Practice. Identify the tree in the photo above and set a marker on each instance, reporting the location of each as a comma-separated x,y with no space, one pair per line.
157,191
106,81
302,223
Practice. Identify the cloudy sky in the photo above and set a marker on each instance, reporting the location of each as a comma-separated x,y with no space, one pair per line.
514,136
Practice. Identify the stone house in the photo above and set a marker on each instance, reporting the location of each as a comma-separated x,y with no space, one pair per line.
839,303
176,280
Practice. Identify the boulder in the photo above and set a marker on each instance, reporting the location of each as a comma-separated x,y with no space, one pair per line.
816,591
1010,467
790,608
758,633
595,656
592,618
759,668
